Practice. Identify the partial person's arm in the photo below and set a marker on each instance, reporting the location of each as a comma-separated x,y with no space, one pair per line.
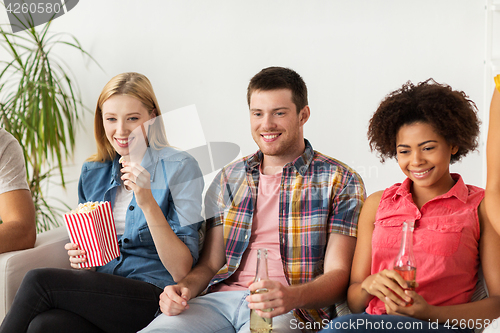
17,211
330,287
18,228
357,297
173,300
364,286
173,253
492,196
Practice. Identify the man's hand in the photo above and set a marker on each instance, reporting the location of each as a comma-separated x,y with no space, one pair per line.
173,300
279,298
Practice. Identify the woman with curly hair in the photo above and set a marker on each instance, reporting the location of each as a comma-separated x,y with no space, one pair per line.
426,127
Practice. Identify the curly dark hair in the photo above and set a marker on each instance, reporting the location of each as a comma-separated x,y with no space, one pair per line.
452,114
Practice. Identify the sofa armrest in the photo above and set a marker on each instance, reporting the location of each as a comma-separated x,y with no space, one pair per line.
48,252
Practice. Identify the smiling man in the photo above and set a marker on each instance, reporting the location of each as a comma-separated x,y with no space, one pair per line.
301,205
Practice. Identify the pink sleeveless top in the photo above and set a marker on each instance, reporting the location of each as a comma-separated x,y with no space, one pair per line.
445,241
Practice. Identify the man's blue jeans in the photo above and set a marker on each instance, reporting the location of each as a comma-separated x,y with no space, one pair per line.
224,311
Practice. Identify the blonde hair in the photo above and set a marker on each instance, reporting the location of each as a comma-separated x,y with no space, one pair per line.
137,86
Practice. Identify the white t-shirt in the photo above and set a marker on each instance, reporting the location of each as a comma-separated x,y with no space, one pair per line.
12,168
122,201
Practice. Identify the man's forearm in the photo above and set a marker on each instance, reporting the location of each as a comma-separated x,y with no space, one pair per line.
331,287
325,290
198,279
211,261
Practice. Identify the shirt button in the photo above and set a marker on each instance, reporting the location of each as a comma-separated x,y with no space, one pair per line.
131,208
246,236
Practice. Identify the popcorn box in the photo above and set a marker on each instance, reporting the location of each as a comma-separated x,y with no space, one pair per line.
94,231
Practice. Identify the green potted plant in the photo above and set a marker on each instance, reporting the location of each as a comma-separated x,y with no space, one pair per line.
41,106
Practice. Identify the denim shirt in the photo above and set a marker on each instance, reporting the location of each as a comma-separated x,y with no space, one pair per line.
176,185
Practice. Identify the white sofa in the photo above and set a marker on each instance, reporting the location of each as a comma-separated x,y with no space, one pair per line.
48,252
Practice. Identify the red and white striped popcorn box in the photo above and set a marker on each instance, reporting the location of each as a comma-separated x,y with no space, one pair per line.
95,233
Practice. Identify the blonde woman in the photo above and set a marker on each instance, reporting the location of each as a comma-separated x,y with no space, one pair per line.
155,191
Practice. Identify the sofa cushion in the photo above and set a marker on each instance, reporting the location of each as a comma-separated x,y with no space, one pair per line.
48,252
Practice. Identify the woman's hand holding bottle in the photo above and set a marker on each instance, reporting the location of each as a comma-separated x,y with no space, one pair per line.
387,285
419,308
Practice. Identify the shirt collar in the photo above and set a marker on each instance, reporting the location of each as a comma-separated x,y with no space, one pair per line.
115,170
459,190
301,163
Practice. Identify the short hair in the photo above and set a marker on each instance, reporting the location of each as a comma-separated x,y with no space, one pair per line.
137,86
451,113
274,78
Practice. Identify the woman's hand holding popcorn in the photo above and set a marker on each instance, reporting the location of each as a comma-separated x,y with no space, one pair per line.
76,256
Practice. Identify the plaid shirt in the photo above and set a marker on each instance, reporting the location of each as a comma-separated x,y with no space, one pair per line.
318,195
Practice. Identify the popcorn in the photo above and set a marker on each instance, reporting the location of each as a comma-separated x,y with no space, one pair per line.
86,207
92,227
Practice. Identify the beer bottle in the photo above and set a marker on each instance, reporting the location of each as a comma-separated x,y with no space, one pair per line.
405,263
257,323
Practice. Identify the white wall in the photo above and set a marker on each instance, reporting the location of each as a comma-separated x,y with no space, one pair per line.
350,53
